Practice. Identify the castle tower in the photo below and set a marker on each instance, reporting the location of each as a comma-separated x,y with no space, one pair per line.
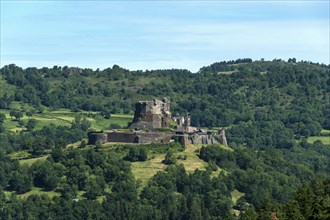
223,137
151,115
188,120
184,140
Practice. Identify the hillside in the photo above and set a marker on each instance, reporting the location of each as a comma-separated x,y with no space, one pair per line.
277,121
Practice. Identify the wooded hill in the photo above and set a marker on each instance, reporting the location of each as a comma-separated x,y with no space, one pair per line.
277,116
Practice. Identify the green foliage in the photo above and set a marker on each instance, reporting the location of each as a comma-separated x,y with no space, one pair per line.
31,124
44,175
169,158
291,92
136,154
21,181
2,118
261,175
274,111
212,165
16,114
83,144
311,201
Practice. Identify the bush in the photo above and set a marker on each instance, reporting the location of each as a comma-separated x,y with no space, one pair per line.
114,126
169,158
136,154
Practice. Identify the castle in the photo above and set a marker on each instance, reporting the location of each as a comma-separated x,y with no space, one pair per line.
150,115
151,124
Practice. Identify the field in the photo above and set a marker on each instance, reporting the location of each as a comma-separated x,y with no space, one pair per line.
38,191
192,161
235,195
61,117
143,171
323,139
29,162
325,132
227,72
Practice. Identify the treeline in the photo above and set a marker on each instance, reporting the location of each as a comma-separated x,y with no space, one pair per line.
295,95
173,194
37,142
92,183
272,175
223,66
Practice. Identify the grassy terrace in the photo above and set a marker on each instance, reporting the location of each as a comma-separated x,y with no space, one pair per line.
63,118
29,162
323,139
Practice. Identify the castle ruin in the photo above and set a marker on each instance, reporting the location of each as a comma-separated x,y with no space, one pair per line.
149,117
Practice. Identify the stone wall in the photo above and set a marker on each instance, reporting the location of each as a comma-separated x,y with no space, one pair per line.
204,139
130,137
94,137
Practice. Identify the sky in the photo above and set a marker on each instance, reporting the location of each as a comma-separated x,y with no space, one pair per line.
145,35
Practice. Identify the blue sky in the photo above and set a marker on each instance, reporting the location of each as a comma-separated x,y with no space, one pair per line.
161,34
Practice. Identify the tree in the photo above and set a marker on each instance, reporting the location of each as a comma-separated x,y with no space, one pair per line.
44,175
30,125
98,145
106,114
195,209
93,189
169,158
28,114
83,144
2,118
143,156
249,214
133,155
136,154
57,154
67,191
21,181
16,114
21,123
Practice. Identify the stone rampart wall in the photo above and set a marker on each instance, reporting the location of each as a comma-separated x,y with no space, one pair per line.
129,137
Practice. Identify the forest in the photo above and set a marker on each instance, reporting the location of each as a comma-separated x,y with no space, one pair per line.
277,119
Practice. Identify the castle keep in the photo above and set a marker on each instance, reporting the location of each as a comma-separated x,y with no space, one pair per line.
149,117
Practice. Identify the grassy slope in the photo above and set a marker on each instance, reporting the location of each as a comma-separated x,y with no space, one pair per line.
323,139
29,162
63,118
38,191
145,170
325,132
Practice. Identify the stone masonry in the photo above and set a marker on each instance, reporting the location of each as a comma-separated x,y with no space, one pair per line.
150,115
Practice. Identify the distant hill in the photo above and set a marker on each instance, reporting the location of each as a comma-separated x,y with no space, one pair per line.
277,119
221,94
